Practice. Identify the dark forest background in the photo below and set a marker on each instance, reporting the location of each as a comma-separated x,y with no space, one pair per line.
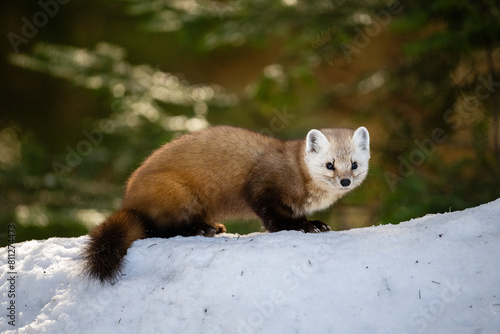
88,89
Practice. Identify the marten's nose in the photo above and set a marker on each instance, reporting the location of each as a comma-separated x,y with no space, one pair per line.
345,182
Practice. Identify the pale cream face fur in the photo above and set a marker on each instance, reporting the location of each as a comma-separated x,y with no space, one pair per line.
340,148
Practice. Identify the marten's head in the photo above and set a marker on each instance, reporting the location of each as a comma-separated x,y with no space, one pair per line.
338,158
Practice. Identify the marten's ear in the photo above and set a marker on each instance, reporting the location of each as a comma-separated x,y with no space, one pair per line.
316,141
361,139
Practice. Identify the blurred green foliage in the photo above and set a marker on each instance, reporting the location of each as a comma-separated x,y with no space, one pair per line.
99,86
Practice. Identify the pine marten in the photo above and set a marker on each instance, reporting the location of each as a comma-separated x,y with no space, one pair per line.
190,185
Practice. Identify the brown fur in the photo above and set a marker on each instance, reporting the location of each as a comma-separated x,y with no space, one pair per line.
207,172
199,179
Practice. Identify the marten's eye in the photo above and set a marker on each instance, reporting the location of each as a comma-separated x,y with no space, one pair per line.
354,165
330,166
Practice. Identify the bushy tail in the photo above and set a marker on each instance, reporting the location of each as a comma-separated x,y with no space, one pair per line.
103,255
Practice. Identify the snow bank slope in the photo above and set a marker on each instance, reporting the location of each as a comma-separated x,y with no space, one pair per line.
437,274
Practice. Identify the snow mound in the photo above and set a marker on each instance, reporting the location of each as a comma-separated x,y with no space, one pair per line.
436,274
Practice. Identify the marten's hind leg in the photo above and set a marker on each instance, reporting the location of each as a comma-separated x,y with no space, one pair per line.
175,209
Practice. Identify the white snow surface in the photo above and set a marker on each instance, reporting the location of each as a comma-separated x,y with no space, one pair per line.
436,274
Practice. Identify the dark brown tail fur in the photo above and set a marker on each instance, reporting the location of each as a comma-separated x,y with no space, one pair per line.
103,255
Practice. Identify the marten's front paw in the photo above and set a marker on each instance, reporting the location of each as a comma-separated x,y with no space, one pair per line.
316,226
